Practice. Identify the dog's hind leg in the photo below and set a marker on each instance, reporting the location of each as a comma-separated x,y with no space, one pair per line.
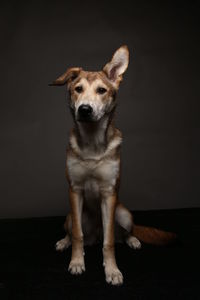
125,219
64,243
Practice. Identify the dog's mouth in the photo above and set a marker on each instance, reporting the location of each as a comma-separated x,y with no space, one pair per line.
85,119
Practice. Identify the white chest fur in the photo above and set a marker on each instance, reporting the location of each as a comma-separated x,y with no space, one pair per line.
104,172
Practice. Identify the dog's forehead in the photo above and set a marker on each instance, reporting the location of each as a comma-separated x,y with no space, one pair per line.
93,78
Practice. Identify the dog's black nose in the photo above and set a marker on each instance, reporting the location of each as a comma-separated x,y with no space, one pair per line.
85,111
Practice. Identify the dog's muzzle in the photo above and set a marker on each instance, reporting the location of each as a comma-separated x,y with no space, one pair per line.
85,113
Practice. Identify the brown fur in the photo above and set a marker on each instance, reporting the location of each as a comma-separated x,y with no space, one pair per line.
93,166
153,236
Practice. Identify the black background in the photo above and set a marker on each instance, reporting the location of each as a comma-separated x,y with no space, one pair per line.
158,109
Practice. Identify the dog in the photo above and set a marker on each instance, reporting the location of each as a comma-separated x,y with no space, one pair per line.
93,170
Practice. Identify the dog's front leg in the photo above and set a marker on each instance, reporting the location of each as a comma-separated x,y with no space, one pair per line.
113,274
77,265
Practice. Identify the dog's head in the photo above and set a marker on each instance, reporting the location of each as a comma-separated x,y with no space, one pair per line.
92,94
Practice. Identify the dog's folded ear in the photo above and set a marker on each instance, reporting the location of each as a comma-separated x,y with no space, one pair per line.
117,66
67,77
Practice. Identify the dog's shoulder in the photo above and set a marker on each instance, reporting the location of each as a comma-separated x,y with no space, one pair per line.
114,141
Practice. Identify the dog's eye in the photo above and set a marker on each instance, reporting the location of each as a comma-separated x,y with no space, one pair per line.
101,90
79,89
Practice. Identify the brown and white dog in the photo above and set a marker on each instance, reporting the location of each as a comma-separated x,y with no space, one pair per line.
93,169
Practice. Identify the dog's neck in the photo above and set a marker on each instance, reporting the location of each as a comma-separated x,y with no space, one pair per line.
93,141
93,136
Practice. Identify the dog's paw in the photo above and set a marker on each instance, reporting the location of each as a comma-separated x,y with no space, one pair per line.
133,242
63,244
76,267
113,275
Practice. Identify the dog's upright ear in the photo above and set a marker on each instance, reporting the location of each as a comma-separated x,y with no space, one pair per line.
117,66
67,77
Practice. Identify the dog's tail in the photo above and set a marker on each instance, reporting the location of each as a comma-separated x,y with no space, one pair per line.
153,236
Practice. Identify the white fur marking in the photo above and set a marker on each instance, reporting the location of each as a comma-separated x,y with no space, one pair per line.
63,244
133,242
113,275
76,266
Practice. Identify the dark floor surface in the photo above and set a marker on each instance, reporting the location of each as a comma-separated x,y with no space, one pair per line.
30,268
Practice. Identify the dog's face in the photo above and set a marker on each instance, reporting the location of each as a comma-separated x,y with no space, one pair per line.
92,94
